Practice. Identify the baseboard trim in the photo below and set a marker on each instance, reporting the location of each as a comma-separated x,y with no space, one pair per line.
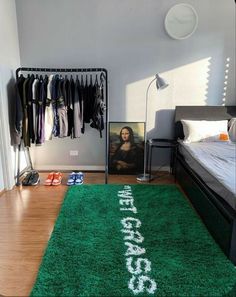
68,168
162,168
85,168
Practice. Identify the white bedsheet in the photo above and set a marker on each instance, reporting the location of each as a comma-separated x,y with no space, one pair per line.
219,159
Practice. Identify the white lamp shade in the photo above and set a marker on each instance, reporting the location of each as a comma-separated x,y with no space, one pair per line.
160,82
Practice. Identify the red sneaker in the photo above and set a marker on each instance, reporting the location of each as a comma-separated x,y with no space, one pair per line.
57,179
48,181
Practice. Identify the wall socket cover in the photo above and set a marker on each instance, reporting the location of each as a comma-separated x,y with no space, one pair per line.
74,153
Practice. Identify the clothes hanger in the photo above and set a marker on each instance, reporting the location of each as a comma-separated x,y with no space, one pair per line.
82,80
22,76
102,76
101,79
96,80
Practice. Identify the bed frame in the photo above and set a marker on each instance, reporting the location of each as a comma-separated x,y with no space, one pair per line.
218,216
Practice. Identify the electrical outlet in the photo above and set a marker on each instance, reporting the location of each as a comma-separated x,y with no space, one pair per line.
74,153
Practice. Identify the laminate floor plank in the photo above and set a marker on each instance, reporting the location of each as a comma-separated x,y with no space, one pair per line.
27,218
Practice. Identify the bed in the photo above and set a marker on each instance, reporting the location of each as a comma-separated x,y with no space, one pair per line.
216,204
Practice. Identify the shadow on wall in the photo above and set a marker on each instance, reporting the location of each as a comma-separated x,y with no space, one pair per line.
161,157
219,79
160,131
226,77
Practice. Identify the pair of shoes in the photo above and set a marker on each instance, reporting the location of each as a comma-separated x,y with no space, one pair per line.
31,179
75,178
53,179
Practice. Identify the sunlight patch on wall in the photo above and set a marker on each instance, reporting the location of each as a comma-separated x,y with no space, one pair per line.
227,65
136,101
188,85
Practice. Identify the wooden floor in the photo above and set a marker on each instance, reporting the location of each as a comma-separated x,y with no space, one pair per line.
27,217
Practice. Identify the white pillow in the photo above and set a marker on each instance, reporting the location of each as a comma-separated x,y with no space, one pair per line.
232,129
208,131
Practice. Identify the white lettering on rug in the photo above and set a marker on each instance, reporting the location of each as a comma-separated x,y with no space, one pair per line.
135,236
138,267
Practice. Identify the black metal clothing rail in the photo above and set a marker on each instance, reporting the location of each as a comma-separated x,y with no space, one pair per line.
33,69
104,75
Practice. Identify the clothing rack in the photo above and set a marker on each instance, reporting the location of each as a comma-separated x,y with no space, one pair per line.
103,75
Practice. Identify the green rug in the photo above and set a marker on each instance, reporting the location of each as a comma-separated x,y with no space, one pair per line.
139,240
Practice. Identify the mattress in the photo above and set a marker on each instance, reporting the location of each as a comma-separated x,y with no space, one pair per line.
215,163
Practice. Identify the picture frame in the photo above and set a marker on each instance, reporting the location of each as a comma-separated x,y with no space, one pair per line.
126,147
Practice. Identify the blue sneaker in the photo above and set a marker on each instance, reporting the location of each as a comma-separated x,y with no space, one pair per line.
79,179
71,179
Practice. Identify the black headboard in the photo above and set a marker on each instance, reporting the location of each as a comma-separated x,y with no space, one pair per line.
210,113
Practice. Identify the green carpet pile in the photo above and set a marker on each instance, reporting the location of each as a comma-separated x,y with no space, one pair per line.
139,240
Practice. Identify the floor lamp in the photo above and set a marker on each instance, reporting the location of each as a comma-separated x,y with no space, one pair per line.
160,84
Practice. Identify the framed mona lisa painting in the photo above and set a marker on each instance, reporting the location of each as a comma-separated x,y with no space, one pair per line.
126,147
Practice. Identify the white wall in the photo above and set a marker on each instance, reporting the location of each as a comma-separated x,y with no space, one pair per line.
9,61
2,184
128,38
